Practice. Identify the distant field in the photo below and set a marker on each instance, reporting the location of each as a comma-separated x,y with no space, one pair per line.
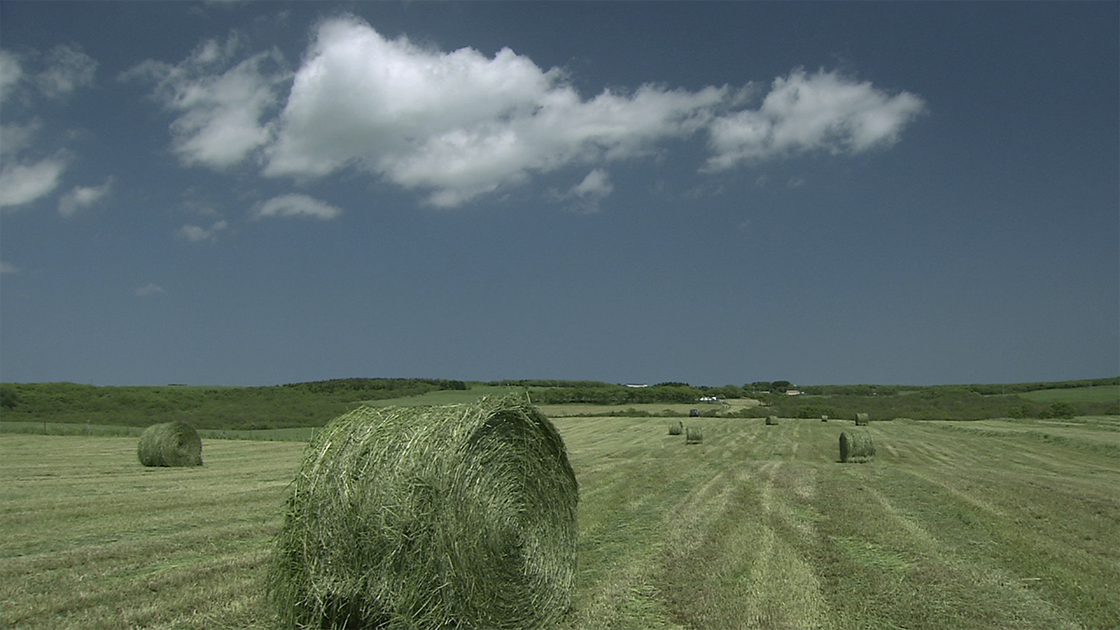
314,404
298,434
680,409
1102,394
444,397
447,397
954,525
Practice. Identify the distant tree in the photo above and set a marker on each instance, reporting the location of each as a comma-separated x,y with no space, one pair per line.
1064,411
780,386
9,399
728,391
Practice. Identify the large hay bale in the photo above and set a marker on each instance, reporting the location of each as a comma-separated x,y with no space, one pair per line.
771,420
170,444
675,428
862,419
824,418
693,435
856,446
459,516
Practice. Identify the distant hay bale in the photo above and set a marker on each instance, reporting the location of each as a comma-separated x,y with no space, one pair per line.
694,435
824,418
675,428
457,516
771,420
170,444
856,446
862,419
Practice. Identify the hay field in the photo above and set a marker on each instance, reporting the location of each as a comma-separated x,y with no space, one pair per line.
977,525
728,406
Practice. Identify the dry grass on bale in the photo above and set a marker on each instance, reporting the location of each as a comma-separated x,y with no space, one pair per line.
170,444
676,428
862,419
771,420
693,435
856,446
457,516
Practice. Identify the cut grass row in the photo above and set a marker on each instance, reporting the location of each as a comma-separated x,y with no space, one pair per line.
953,525
1098,394
943,531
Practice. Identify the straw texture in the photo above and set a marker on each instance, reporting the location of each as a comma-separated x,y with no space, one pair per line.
459,516
170,444
856,446
693,435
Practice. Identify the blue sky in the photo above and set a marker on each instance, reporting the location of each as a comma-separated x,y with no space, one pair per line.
717,193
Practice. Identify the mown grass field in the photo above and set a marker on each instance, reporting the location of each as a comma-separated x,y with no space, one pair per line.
988,524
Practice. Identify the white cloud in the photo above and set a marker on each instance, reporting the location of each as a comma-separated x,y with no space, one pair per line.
296,205
8,268
67,70
195,234
802,113
21,184
23,178
219,108
359,95
150,289
457,124
15,137
586,195
10,73
596,184
82,197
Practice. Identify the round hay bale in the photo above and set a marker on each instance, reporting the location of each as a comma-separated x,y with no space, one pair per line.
675,428
170,444
457,516
856,446
862,419
694,435
824,418
771,420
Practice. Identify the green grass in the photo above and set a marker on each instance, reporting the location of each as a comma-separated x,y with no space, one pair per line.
315,403
204,407
92,539
954,525
1100,394
444,397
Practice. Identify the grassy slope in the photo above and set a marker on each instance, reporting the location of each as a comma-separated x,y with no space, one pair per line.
444,397
988,524
1101,394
